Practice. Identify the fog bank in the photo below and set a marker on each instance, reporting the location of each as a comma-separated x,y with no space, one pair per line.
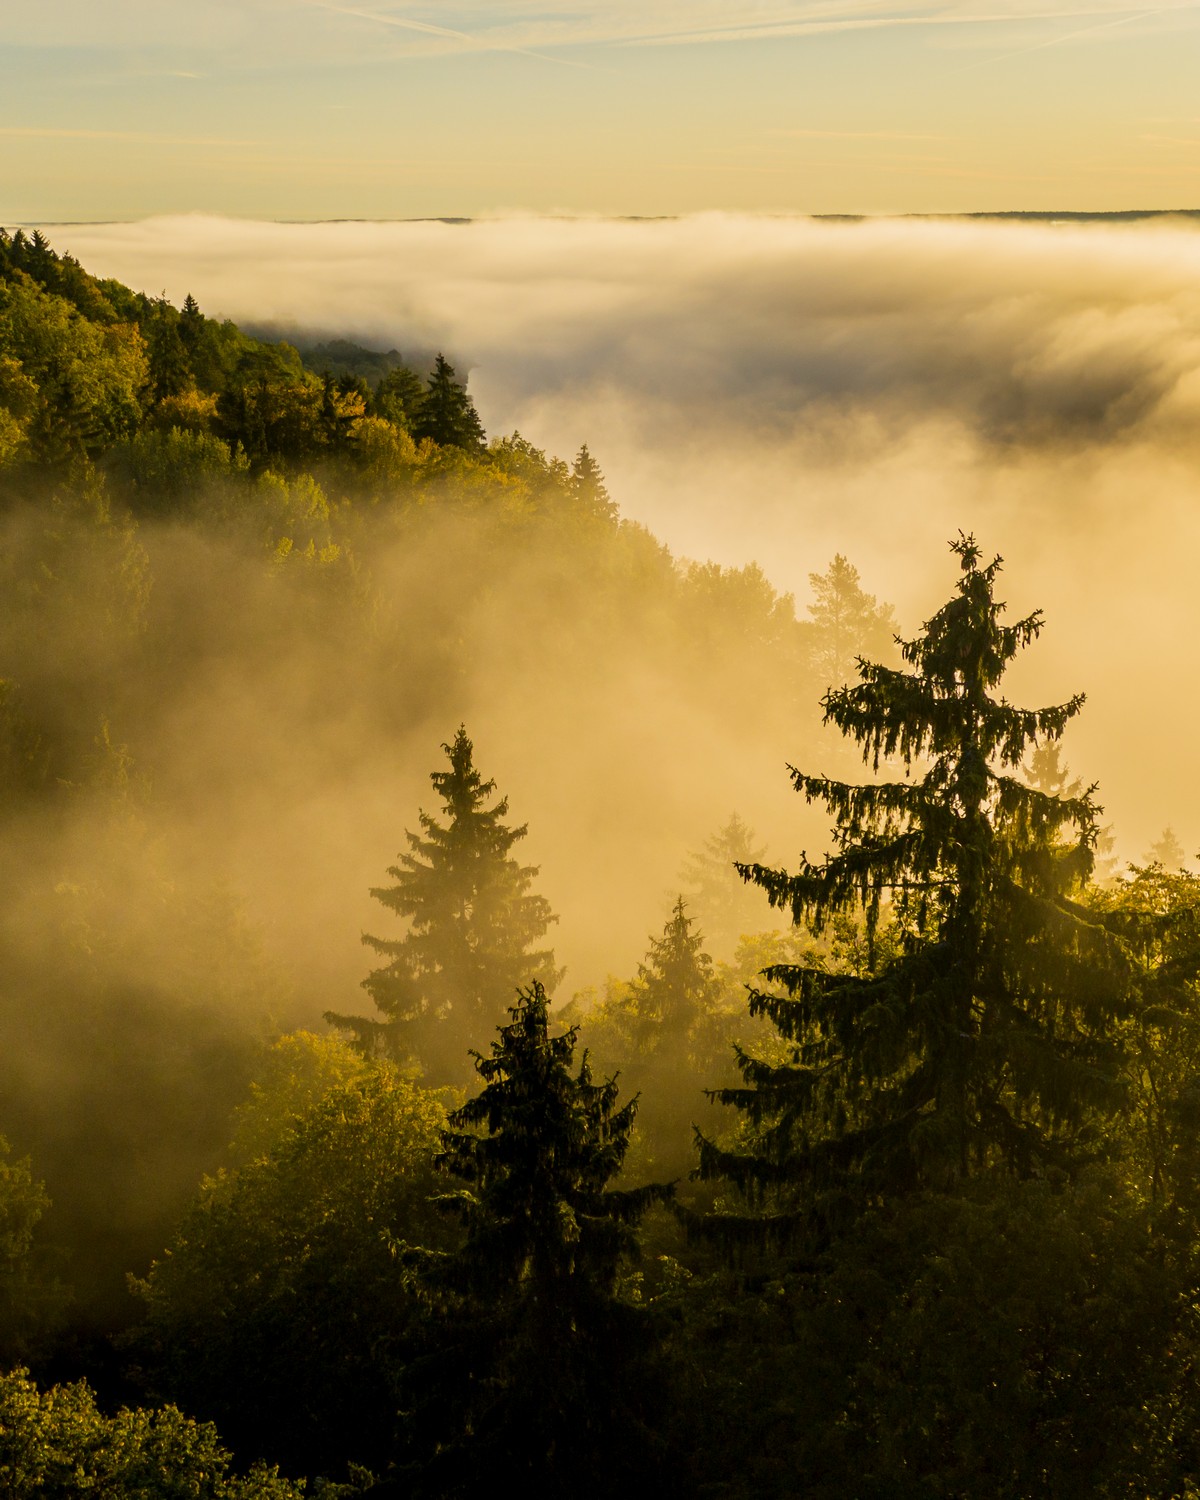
779,389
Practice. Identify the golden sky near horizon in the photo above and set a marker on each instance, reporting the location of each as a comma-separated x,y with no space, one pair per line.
311,109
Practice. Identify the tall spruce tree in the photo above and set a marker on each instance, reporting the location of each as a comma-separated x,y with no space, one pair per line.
473,928
534,1364
986,1037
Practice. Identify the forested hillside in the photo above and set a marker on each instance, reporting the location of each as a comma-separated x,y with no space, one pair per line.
377,930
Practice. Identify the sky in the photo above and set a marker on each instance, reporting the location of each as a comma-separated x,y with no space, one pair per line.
311,109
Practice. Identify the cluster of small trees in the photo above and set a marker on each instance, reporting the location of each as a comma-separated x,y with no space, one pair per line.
87,364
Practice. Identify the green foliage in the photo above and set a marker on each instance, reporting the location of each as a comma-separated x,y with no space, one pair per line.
398,398
975,1312
166,467
344,359
283,1308
675,987
587,482
988,1036
535,1366
56,1444
1157,912
19,401
446,414
271,416
89,377
472,926
657,1030
31,1300
538,1147
1008,1340
300,1070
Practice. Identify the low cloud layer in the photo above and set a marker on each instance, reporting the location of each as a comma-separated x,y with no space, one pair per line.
779,389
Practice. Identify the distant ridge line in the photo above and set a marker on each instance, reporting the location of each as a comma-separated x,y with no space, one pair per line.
1032,215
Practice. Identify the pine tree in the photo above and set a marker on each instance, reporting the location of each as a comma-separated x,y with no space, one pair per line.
473,926
671,1006
675,986
341,409
446,413
532,1375
846,622
723,904
1167,851
1046,772
170,372
191,324
986,1037
587,484
398,397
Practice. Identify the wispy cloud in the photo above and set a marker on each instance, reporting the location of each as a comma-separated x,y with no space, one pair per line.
474,43
1079,34
662,23
255,31
136,137
931,18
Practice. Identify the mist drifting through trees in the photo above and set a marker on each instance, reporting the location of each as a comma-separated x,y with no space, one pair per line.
779,389
704,1112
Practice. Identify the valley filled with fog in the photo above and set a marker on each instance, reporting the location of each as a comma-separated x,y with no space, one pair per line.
778,390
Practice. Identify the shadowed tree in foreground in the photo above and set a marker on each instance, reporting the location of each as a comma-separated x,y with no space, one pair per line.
535,1368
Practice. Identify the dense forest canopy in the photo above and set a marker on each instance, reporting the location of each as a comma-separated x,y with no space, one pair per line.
291,651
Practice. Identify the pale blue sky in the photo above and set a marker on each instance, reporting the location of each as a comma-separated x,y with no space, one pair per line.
312,109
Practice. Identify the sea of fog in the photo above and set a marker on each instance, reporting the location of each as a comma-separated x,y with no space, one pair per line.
781,389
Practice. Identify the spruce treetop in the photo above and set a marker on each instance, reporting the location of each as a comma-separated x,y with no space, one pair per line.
536,1365
675,986
983,1035
538,1147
